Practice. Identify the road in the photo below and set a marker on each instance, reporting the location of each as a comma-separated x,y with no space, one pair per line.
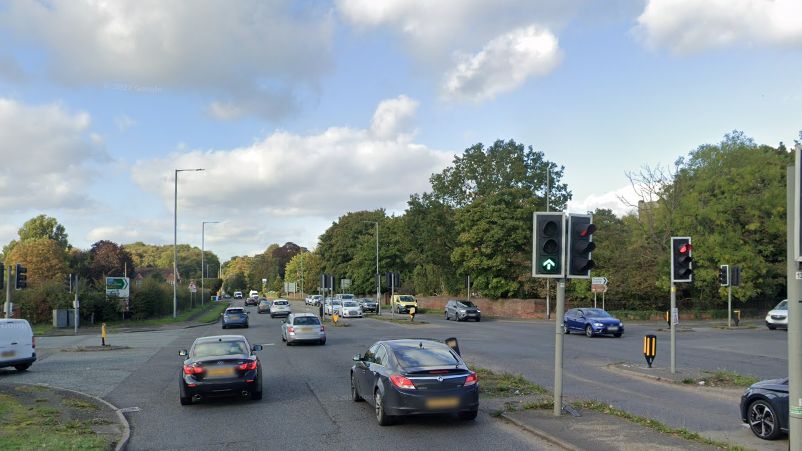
306,402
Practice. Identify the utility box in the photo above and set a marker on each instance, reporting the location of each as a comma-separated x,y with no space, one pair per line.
63,318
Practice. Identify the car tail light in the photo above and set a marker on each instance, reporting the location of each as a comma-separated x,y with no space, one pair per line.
402,382
472,379
290,330
247,366
322,328
192,369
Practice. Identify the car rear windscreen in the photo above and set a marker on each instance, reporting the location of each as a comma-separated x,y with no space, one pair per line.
306,321
280,303
416,356
235,310
220,348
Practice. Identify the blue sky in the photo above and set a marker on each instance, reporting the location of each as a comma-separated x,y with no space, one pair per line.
302,111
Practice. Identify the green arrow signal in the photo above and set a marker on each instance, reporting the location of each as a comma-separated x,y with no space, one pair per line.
549,264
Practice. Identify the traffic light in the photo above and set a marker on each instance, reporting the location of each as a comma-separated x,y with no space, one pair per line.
681,259
2,276
580,246
548,254
724,275
21,277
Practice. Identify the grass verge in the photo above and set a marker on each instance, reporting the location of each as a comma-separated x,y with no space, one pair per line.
202,313
655,425
722,378
399,319
502,385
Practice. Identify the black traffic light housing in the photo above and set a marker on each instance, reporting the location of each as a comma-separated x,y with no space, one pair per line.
580,246
681,259
548,252
21,275
724,275
2,276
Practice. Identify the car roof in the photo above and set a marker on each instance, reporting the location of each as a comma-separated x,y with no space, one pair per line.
220,338
296,315
406,342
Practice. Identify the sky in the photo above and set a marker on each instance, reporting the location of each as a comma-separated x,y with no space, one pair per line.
301,111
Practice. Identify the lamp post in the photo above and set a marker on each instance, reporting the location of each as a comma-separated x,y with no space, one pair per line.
203,252
175,239
378,283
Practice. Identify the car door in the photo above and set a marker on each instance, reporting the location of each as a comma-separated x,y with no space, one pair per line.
362,372
450,309
377,368
573,316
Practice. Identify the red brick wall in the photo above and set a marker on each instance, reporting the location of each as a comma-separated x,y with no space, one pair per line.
505,308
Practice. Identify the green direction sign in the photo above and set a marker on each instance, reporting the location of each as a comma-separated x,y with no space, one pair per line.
549,266
117,287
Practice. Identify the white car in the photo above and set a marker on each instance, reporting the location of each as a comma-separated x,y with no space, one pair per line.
778,317
238,295
351,309
17,344
280,307
333,306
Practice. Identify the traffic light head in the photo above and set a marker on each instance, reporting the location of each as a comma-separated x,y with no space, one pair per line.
681,259
548,256
580,245
21,277
724,275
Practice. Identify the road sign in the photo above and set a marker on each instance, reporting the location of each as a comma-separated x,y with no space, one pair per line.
598,288
118,287
599,281
674,316
345,283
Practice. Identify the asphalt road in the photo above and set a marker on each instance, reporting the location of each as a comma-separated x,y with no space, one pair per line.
306,402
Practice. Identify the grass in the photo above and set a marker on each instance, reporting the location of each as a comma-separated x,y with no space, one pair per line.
730,379
655,425
79,404
501,385
208,312
24,427
399,319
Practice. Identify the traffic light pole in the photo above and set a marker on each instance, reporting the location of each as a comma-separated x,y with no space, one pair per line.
794,287
673,328
729,305
559,335
8,294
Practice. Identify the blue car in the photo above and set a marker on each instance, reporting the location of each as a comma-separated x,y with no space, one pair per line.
235,317
592,321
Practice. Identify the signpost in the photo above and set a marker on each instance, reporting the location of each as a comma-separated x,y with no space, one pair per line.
118,287
598,285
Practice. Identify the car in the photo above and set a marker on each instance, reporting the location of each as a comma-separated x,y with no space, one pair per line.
280,307
333,307
592,321
252,300
253,294
412,377
238,295
17,344
764,407
350,309
221,365
778,316
263,307
403,302
369,305
460,310
314,299
345,297
303,327
227,296
235,317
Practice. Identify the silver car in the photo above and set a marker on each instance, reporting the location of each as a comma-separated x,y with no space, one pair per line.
303,327
280,307
778,316
333,307
351,309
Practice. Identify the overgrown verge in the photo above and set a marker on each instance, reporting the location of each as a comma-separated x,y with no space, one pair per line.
721,378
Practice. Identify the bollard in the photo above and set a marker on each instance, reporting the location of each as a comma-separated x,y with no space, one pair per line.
736,317
335,318
668,318
103,334
412,314
649,348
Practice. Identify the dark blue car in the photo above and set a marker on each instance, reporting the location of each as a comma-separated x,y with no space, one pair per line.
592,321
764,407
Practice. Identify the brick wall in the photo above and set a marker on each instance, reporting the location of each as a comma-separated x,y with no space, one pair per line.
505,308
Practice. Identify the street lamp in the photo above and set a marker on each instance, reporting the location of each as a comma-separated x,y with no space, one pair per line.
378,283
203,252
175,239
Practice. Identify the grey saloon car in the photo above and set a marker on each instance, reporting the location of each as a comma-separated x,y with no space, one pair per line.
303,327
235,317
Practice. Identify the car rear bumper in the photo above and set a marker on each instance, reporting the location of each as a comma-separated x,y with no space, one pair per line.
280,313
235,323
22,361
410,402
305,338
227,387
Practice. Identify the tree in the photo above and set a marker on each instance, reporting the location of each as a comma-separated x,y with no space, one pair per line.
41,226
44,258
107,258
312,269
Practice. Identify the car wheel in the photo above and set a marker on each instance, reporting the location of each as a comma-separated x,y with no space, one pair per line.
771,327
565,329
22,367
257,395
763,420
322,342
478,319
381,417
288,342
588,331
185,401
354,393
224,326
469,415
618,335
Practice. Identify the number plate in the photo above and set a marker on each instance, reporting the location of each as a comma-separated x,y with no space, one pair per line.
304,329
220,372
442,403
613,328
234,317
7,354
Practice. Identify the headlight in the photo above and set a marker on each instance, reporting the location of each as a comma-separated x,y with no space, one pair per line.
598,324
462,310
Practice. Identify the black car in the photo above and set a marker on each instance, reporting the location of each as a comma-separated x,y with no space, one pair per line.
222,365
764,407
462,311
369,305
414,376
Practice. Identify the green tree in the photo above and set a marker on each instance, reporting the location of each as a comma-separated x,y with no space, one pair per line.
38,227
45,259
312,269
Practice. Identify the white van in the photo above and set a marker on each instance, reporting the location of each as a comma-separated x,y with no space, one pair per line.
17,344
253,294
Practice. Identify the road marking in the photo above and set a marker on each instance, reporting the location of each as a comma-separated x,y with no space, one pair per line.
130,409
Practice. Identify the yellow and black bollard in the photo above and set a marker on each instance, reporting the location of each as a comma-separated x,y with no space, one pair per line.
649,348
412,314
736,317
103,334
668,318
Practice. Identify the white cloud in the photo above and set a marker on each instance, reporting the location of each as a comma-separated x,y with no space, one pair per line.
289,175
686,26
124,122
610,200
504,64
233,51
48,156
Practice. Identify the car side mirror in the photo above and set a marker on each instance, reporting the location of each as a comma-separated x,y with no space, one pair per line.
255,348
357,358
183,353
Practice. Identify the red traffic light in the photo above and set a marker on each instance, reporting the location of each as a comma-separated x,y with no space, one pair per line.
685,248
587,230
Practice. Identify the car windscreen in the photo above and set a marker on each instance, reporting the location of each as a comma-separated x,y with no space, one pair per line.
219,348
306,321
406,299
431,355
264,303
347,296
596,313
783,305
350,304
468,304
280,303
235,311
336,302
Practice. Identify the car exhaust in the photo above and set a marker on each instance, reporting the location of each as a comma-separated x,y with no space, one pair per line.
196,397
245,393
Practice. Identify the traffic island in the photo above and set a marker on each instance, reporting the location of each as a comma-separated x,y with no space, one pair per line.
399,319
40,417
686,376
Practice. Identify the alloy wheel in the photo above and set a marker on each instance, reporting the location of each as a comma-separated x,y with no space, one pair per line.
762,420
